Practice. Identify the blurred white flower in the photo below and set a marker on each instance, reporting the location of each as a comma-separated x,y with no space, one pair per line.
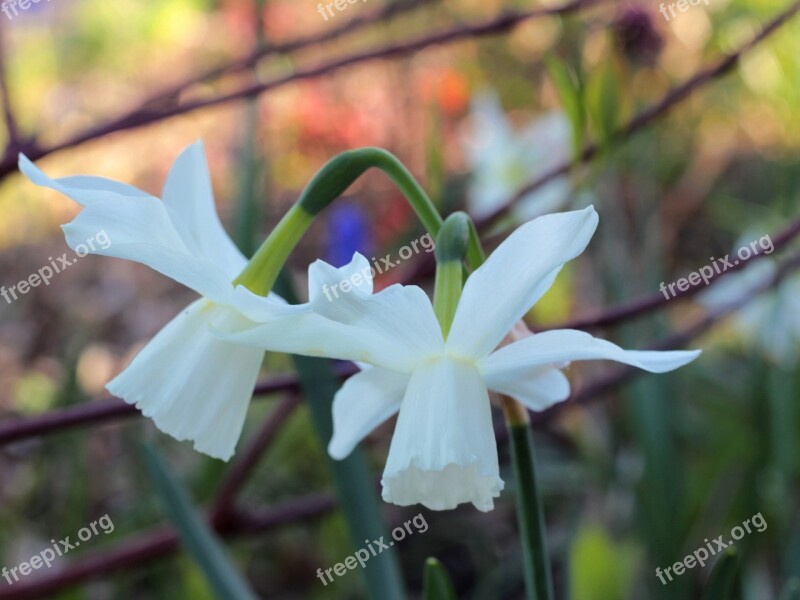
193,385
771,320
503,160
444,452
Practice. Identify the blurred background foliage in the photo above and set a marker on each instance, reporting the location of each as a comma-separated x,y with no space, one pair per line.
634,481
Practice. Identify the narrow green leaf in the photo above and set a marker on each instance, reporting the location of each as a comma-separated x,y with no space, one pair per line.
603,100
355,484
202,545
723,583
250,167
251,164
437,584
570,91
434,155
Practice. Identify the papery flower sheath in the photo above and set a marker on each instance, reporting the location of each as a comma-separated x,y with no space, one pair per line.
443,452
193,385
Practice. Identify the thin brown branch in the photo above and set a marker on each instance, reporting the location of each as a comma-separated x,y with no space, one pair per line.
672,98
595,389
147,115
651,302
162,542
172,94
109,409
159,543
246,460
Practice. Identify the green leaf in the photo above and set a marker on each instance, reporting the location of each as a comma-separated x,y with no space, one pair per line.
570,91
250,168
723,583
434,155
437,584
355,485
603,100
202,545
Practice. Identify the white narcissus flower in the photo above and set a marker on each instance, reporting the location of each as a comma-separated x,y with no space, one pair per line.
503,160
443,452
193,385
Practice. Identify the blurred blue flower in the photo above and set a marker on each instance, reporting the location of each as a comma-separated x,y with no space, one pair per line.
348,233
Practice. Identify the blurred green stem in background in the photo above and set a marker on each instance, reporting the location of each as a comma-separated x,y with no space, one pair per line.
251,163
203,546
354,483
250,193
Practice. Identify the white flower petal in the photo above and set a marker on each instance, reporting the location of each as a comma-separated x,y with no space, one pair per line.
82,189
514,277
365,401
193,385
138,228
189,199
394,329
326,282
565,345
443,452
536,387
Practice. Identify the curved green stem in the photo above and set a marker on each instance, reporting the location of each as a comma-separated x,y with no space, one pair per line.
328,184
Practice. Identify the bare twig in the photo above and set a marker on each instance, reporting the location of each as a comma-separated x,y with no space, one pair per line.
675,96
109,409
171,94
145,115
646,304
594,390
162,542
236,476
158,543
